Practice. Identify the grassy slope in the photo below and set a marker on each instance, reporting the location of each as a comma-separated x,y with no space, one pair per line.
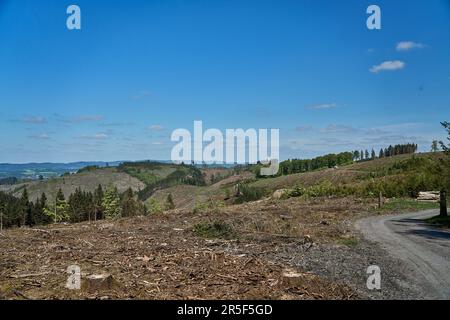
353,173
188,196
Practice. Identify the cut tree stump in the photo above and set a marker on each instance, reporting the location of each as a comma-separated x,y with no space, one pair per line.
99,282
291,278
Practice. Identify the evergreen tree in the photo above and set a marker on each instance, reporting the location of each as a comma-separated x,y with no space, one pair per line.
444,147
170,205
154,206
24,206
128,203
98,203
59,211
60,195
373,154
30,215
111,203
434,146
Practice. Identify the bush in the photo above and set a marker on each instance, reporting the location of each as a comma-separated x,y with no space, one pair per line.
248,193
154,207
216,229
210,206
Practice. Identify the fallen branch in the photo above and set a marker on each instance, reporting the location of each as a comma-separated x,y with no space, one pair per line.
88,243
40,230
227,277
28,275
20,294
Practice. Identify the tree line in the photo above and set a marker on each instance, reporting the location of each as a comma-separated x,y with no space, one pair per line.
331,160
390,151
303,165
79,206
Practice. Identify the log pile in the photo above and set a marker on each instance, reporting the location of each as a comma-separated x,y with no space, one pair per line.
428,196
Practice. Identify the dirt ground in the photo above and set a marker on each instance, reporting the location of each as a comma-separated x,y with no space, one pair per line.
161,257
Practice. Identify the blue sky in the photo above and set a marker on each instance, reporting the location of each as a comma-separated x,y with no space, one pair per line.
137,70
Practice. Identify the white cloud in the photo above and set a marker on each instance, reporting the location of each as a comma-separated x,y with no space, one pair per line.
339,128
408,45
141,94
303,128
388,66
78,119
42,136
86,118
100,136
322,106
34,120
155,127
97,136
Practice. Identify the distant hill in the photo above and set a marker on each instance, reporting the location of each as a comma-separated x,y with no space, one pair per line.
47,170
87,181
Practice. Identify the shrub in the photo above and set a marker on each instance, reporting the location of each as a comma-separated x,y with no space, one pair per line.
248,193
154,206
216,229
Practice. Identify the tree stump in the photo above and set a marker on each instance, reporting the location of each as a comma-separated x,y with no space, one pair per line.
291,278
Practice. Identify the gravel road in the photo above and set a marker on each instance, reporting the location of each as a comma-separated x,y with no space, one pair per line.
423,249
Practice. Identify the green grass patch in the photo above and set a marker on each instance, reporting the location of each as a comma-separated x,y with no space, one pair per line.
350,242
438,220
216,229
405,204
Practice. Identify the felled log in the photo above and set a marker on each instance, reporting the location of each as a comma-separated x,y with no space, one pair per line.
432,196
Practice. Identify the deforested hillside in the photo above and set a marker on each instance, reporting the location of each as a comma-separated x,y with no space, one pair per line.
396,176
86,180
190,196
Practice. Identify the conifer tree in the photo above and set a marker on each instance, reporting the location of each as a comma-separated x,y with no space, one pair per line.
98,203
111,203
170,205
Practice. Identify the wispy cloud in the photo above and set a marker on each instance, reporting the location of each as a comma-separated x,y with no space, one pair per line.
141,94
97,136
338,128
34,120
155,127
77,119
42,136
86,118
322,106
117,124
408,45
388,66
303,128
